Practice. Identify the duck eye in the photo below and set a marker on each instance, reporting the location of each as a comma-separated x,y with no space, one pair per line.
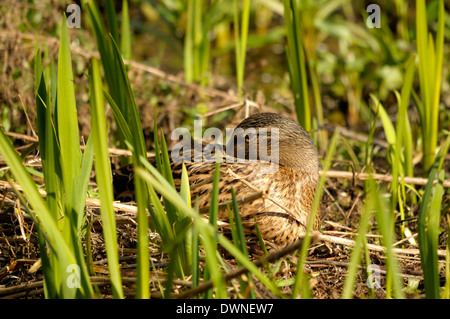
249,136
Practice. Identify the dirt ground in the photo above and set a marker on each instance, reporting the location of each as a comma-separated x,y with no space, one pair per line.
340,207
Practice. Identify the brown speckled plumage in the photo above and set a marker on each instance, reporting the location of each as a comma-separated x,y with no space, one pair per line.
284,206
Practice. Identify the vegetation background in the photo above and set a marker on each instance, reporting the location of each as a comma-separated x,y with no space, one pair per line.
375,100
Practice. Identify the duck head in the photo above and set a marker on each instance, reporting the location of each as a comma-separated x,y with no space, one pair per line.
274,138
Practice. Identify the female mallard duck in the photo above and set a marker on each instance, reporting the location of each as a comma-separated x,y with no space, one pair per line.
286,183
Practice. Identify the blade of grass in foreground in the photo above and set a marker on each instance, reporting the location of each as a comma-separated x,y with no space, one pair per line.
112,70
125,36
177,239
238,235
74,184
196,44
356,254
103,177
400,135
430,76
66,195
241,34
48,145
68,133
49,154
375,202
213,213
296,63
133,131
429,218
386,228
53,236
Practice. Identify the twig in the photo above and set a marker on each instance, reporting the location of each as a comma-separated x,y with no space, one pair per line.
89,201
377,248
316,263
111,150
381,177
224,108
27,117
355,135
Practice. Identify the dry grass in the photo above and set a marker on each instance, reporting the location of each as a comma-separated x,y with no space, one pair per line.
340,208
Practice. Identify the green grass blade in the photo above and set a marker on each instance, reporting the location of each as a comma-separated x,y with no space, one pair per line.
131,112
112,19
402,117
68,132
103,176
166,170
47,142
83,180
120,119
143,263
214,207
428,225
241,35
113,77
49,158
430,76
188,55
238,236
185,193
125,36
213,214
55,241
389,129
297,63
386,228
195,256
355,257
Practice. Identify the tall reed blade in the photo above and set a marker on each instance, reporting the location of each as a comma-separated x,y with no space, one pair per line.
125,39
430,76
297,63
428,224
241,35
237,231
103,176
196,44
68,133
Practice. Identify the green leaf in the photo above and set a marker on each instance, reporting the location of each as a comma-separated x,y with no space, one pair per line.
68,133
53,236
103,177
125,37
428,224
